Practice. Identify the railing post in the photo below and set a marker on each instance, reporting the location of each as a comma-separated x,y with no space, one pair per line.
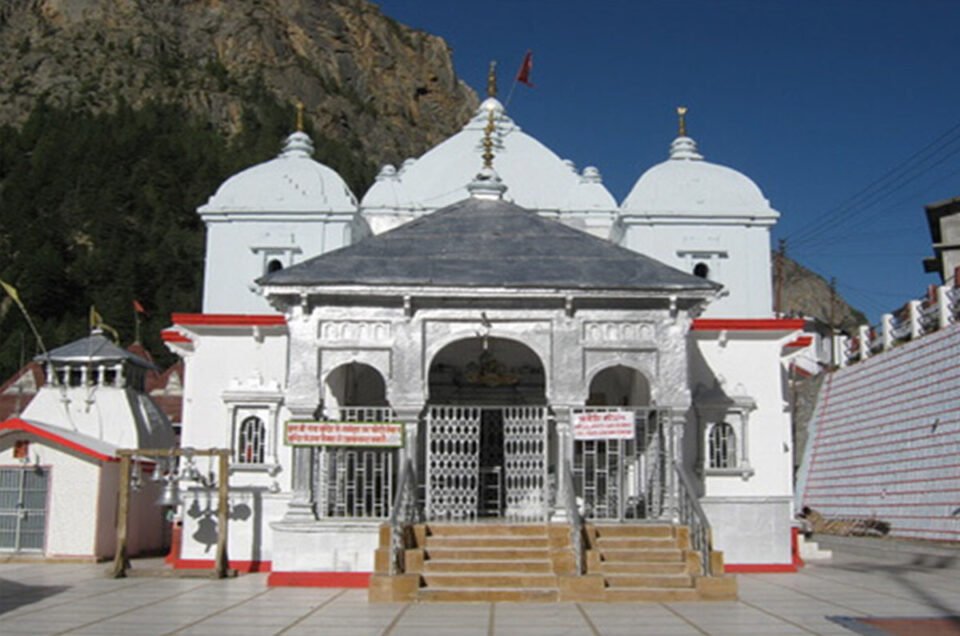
409,415
944,311
675,456
840,346
916,319
886,330
863,333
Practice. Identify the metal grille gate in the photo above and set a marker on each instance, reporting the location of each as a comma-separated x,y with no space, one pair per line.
525,447
23,508
624,479
453,462
453,449
356,482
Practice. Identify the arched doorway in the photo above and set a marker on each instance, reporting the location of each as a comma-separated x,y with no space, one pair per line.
355,384
619,386
621,476
486,370
355,481
486,438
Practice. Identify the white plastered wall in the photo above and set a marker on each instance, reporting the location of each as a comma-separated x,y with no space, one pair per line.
238,250
224,359
751,513
738,257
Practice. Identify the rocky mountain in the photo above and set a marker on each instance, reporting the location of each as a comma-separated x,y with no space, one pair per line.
382,88
805,293
118,117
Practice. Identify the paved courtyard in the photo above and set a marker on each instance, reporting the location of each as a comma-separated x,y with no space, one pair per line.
824,598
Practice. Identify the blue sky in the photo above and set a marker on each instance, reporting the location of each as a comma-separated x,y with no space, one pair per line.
816,101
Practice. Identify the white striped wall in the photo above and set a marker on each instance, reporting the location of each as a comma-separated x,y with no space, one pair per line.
884,441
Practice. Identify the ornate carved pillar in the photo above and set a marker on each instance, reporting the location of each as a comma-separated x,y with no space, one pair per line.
564,457
301,505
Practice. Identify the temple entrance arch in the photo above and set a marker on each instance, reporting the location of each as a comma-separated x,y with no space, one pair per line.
355,481
355,384
486,438
620,477
619,386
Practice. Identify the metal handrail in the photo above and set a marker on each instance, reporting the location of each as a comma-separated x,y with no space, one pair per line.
405,512
576,520
692,515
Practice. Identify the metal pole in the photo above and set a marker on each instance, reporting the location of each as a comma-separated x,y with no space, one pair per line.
120,561
223,479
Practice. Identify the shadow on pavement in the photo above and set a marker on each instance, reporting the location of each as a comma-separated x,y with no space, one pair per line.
14,595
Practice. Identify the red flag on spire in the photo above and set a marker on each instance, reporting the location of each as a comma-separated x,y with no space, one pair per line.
523,75
137,307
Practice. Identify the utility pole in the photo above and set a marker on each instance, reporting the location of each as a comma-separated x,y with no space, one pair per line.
833,322
779,265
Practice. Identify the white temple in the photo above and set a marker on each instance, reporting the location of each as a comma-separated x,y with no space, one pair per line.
470,323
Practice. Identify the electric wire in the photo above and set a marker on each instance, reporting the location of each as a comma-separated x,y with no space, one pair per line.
907,171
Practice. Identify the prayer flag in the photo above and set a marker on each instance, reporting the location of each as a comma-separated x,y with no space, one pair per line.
11,291
523,75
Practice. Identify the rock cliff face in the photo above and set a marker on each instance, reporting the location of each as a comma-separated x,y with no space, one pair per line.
808,294
164,79
383,88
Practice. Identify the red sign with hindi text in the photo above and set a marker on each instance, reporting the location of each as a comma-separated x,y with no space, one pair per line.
603,425
378,434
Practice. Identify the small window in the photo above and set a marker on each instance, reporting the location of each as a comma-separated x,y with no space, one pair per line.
251,441
722,446
274,265
702,270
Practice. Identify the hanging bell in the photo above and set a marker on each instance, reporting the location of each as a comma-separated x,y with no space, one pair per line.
136,477
159,471
170,495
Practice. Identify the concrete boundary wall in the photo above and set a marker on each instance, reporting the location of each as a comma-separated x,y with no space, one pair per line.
884,441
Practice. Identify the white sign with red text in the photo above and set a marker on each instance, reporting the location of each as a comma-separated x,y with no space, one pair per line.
378,434
603,425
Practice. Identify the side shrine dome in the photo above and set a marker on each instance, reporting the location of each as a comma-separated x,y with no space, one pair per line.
291,182
537,178
687,186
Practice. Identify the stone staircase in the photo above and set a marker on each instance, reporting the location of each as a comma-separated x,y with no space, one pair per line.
645,562
535,563
487,563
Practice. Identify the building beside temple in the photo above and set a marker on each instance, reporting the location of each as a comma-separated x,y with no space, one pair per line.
490,323
59,465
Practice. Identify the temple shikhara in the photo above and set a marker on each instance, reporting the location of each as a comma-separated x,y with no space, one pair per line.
488,344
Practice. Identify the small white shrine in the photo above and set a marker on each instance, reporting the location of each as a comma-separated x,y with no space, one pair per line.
59,467
489,323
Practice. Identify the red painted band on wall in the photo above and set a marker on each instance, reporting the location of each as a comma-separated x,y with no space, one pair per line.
759,568
229,320
319,579
747,324
246,567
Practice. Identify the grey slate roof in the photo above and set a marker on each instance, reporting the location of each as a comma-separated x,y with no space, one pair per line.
94,348
486,243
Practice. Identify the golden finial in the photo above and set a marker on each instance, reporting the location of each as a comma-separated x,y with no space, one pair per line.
300,108
488,141
492,80
682,115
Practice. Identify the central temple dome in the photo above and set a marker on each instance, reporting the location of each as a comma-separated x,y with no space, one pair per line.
535,176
